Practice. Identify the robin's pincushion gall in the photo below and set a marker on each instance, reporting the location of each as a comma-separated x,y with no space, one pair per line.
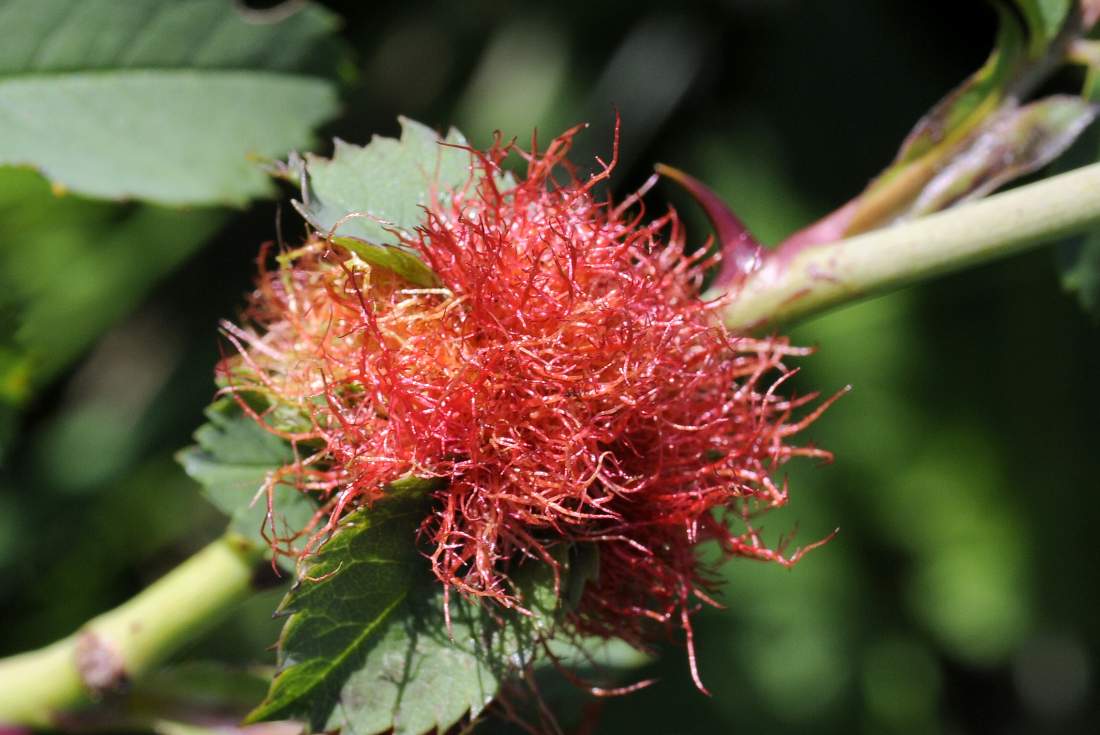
564,379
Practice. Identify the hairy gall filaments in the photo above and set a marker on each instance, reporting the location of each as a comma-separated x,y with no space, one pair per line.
563,380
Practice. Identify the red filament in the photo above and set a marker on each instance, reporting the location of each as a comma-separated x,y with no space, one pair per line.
565,379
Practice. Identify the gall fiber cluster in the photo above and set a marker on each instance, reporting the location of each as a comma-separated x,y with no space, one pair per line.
563,380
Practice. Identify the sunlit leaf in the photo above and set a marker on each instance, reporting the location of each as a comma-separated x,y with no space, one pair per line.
367,192
366,648
362,648
167,101
365,195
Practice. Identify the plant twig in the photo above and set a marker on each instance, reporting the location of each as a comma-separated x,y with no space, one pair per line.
800,280
39,687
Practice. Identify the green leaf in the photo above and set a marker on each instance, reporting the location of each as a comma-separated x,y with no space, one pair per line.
366,648
232,461
397,259
161,100
65,35
951,154
965,107
1019,141
172,137
365,195
599,655
365,192
356,651
937,136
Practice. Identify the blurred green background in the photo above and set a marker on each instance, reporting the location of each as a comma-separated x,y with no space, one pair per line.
961,594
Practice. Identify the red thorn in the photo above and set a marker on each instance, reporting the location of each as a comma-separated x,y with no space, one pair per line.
741,252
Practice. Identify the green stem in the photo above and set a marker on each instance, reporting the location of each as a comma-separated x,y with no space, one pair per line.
121,645
799,281
38,687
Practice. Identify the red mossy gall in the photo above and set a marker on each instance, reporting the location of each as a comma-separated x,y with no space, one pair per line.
564,379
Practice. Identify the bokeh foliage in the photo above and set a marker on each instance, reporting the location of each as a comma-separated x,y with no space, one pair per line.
959,596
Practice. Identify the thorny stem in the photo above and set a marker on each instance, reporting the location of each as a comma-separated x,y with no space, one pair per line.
37,689
798,279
